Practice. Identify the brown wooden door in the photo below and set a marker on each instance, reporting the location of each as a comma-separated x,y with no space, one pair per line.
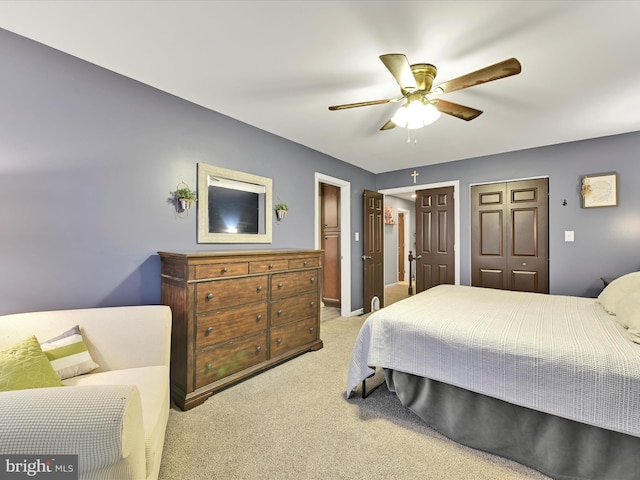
373,249
330,243
435,242
509,231
401,253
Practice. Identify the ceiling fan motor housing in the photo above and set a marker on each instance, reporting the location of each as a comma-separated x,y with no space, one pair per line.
424,74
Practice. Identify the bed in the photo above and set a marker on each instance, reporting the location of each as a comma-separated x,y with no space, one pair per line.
550,381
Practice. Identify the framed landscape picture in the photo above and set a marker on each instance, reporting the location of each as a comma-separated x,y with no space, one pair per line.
600,190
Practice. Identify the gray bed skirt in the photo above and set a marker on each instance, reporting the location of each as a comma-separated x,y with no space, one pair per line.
560,448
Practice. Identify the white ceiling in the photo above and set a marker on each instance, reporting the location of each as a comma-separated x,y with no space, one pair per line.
278,65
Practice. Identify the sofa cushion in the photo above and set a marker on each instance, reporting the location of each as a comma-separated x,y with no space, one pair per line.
23,365
153,385
68,354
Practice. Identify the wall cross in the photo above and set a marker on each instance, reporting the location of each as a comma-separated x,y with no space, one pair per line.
415,176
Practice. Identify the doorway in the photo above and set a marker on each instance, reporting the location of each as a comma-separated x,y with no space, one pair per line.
404,244
343,243
330,243
403,191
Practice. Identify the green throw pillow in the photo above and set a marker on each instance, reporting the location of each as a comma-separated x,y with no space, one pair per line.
68,354
24,365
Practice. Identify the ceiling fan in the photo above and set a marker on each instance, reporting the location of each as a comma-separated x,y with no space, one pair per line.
423,105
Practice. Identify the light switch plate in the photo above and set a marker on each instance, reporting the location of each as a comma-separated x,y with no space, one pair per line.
568,236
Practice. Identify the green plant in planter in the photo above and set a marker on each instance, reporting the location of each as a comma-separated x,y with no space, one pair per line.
281,210
186,194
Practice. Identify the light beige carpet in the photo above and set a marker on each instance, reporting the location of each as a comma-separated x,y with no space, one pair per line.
295,422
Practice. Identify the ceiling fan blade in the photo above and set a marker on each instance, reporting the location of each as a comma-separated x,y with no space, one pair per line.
459,111
500,70
361,104
399,67
388,126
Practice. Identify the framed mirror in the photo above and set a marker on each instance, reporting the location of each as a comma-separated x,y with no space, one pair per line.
233,207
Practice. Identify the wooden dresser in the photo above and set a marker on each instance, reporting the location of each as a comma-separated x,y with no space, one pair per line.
237,313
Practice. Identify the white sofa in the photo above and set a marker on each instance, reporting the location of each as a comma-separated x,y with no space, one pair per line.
114,418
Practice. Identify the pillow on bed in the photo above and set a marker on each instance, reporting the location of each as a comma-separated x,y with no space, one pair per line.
617,290
629,315
68,354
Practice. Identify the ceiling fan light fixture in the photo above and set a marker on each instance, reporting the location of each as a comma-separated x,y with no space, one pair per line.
415,114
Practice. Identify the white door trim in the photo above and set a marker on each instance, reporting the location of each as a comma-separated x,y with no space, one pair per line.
345,235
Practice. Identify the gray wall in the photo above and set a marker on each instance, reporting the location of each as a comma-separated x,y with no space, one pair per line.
88,161
606,239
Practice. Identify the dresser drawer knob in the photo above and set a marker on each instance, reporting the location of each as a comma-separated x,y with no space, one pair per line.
259,288
258,349
259,317
224,270
305,263
311,330
208,368
209,296
313,304
280,285
279,341
312,279
271,266
279,312
208,331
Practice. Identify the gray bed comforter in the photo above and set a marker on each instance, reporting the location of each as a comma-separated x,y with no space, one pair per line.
556,354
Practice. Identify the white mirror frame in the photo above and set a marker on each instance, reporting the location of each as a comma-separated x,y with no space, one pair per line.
205,172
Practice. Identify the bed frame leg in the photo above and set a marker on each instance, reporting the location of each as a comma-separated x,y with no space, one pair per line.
365,394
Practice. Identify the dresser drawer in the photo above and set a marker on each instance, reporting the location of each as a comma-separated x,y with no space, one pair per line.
293,283
294,308
268,266
220,326
218,270
211,296
292,335
230,358
304,263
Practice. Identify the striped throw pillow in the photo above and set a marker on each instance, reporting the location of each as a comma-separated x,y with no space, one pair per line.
68,354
